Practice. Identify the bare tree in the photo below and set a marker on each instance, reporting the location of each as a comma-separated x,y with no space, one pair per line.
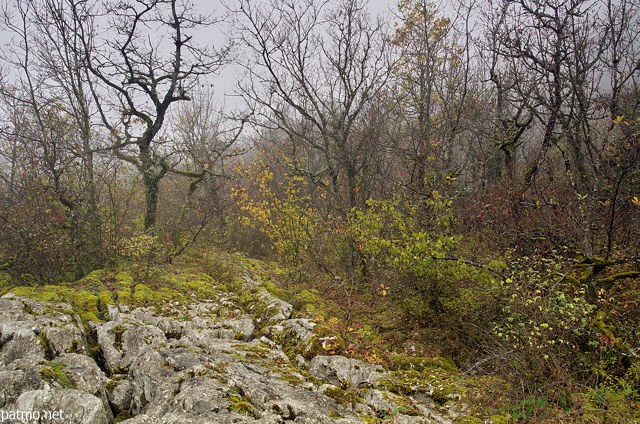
512,117
315,68
564,74
621,58
433,91
203,147
148,61
50,123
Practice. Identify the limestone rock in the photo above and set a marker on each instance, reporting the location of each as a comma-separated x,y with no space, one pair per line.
15,382
76,406
198,363
342,371
57,331
18,339
120,396
201,395
275,309
140,419
86,376
291,331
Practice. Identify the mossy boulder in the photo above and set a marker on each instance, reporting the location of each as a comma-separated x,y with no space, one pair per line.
55,374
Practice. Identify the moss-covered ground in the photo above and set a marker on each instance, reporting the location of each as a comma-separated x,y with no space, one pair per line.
349,322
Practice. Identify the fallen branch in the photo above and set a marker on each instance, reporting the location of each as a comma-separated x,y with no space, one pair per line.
490,358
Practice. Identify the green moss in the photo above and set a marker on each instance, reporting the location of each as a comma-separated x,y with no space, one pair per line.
94,279
443,395
239,404
55,374
291,377
95,351
342,396
46,346
122,416
5,279
105,298
368,419
124,296
90,316
330,344
124,279
306,300
327,341
117,331
41,294
469,420
276,291
75,346
141,294
112,384
334,414
90,302
83,302
406,363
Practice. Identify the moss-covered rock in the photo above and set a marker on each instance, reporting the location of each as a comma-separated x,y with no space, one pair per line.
342,396
54,373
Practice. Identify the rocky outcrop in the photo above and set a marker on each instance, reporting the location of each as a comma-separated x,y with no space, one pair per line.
204,362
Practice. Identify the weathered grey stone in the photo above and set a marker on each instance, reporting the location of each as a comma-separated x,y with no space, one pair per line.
109,337
170,327
180,359
272,308
220,350
77,407
143,316
122,342
137,339
12,309
18,339
84,371
201,395
62,335
120,396
342,371
42,308
86,375
409,419
152,384
227,418
291,332
267,392
140,419
274,353
199,364
381,401
275,309
15,382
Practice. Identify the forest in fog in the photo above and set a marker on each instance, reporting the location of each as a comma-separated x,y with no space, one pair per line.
472,165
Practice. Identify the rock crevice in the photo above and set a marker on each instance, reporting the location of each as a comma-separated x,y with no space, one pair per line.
205,362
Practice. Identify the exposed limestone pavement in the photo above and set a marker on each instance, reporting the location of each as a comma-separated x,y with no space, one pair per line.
210,361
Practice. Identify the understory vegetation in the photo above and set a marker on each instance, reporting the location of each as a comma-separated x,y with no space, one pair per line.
457,182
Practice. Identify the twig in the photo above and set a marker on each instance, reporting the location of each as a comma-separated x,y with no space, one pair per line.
490,358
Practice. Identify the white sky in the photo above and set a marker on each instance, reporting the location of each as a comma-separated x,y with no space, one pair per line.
225,82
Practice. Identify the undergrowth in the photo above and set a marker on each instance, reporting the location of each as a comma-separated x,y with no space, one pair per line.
518,377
